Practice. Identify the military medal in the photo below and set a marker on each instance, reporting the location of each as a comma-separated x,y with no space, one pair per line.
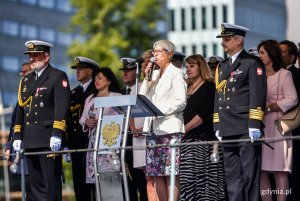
231,79
233,89
41,104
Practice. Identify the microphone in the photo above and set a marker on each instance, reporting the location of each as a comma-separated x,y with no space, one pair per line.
151,68
14,166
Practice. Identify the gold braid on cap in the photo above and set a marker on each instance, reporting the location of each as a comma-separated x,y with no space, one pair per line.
61,125
222,85
21,103
256,114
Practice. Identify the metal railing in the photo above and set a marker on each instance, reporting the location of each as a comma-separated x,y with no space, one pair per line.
173,144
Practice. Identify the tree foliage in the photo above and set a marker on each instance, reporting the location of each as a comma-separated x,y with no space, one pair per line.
115,28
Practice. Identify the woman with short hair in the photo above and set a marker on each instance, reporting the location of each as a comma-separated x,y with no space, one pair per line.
167,91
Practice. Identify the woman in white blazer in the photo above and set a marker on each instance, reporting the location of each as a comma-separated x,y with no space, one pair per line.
167,91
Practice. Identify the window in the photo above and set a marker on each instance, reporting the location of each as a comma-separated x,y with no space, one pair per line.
203,14
183,48
182,19
47,34
64,5
28,31
204,50
46,3
10,63
9,98
215,49
64,38
214,17
31,2
193,13
10,28
172,20
194,49
224,8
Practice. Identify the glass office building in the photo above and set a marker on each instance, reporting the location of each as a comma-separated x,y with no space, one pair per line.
23,20
193,25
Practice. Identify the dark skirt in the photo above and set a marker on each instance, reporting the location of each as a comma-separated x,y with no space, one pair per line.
200,179
158,159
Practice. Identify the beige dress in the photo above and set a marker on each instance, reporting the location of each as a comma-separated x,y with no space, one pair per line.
279,159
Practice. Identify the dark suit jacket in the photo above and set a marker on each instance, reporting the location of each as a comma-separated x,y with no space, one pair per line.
296,78
77,139
240,103
43,110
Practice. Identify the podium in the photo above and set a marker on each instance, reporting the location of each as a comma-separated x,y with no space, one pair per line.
108,184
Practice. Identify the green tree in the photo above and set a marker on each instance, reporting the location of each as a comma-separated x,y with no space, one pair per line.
115,28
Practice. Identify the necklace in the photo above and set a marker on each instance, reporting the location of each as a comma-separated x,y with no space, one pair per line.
191,89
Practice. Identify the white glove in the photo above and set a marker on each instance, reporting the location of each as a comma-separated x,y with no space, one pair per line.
55,143
218,136
67,156
254,134
214,157
17,145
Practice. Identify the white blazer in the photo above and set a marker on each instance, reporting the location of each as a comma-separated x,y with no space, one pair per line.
168,94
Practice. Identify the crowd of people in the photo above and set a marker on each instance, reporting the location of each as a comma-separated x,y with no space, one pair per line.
232,102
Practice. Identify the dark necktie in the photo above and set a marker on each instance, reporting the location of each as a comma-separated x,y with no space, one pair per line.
230,61
128,90
81,89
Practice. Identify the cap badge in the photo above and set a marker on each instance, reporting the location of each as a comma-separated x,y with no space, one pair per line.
213,60
223,28
30,46
77,60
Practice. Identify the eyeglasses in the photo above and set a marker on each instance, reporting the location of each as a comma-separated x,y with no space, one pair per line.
160,52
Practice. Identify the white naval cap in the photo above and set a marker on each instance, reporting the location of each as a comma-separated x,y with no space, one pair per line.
128,63
253,51
228,29
37,46
85,62
213,59
178,56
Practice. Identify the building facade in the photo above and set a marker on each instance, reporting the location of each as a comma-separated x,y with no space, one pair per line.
193,25
23,20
